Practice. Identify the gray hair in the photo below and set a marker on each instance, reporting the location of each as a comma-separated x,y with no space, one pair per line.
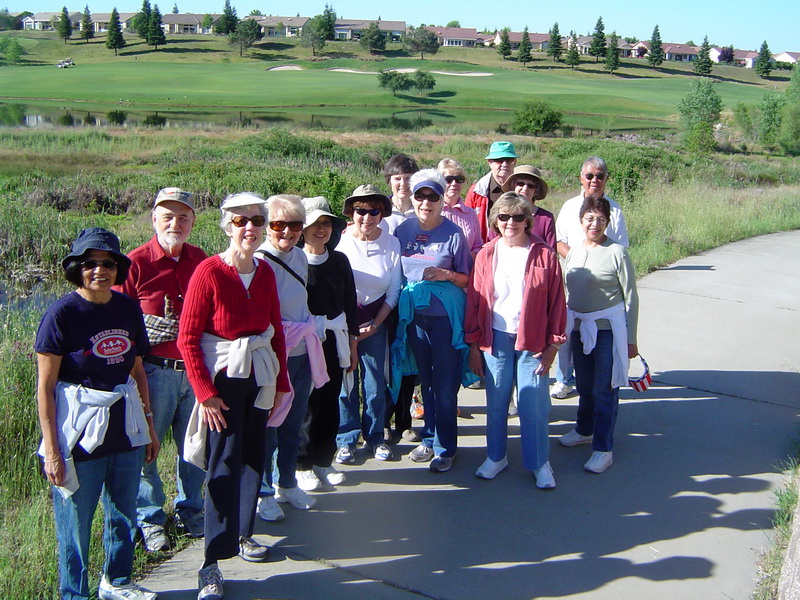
291,205
596,162
452,164
507,203
227,215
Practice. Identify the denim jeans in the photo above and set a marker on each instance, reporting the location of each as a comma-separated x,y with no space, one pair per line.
599,402
370,384
440,367
116,477
286,438
507,368
564,371
171,401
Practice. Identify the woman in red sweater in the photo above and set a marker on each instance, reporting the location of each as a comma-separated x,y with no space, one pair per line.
232,341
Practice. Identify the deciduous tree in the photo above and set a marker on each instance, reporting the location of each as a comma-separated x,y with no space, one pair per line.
424,81
314,34
763,65
573,58
373,39
114,39
394,81
524,50
14,52
703,64
554,48
536,118
247,33
504,47
64,25
699,112
726,54
656,54
87,27
420,40
612,54
598,46
207,22
455,23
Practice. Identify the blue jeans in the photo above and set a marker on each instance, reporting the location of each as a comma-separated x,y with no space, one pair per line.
507,368
171,401
370,384
599,402
564,372
440,367
286,438
116,477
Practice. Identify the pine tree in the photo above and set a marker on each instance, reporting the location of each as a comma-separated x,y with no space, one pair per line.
656,54
504,47
373,39
555,49
612,53
228,21
175,10
247,33
573,58
14,52
702,66
155,33
141,22
87,27
64,25
598,46
763,64
524,50
330,22
115,39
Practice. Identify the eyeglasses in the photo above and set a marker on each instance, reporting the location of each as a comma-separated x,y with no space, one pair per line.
242,221
281,225
91,265
518,218
432,197
598,220
600,176
372,212
457,178
505,159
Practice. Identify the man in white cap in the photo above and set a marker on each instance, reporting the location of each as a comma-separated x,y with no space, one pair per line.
158,280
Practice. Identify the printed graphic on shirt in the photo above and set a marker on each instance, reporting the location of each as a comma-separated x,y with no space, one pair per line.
111,344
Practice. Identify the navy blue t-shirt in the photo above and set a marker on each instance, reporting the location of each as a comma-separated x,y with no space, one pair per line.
98,345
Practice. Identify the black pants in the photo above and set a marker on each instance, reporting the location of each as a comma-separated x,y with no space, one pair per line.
235,467
322,418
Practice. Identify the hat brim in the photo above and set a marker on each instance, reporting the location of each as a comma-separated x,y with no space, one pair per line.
347,210
508,186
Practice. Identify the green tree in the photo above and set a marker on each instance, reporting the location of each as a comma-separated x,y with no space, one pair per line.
175,10
155,32
373,39
314,34
207,22
789,136
14,52
770,114
64,25
536,117
525,47
555,49
247,33
763,65
699,111
255,13
394,81
656,54
702,66
424,81
330,22
420,40
699,139
228,21
573,58
141,22
504,47
793,91
87,27
612,54
743,117
114,39
455,23
598,46
726,54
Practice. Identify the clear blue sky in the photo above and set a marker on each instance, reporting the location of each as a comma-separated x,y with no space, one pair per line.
744,24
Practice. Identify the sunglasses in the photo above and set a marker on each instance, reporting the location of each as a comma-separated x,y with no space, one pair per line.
241,221
505,159
91,265
281,225
372,212
590,176
456,178
432,197
516,218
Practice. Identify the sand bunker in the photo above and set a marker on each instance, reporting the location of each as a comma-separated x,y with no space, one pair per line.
467,74
353,71
286,68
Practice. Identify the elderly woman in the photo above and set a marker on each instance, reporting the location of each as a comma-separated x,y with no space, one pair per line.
332,300
516,317
454,207
604,307
94,413
374,256
527,182
232,341
305,361
436,263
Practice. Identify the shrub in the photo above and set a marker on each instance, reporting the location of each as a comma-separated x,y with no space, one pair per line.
536,118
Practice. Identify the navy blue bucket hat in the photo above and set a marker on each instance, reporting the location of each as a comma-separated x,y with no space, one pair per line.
96,238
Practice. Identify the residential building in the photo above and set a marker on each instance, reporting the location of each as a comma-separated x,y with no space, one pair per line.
787,57
680,52
457,36
539,41
100,21
350,29
282,26
187,23
43,21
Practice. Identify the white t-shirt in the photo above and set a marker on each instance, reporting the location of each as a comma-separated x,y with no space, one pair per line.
376,266
570,231
509,285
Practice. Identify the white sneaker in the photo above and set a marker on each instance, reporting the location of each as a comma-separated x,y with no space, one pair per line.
599,462
489,469
296,497
573,438
561,390
128,591
269,510
307,480
544,477
329,475
209,582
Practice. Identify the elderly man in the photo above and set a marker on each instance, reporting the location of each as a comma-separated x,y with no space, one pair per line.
594,177
502,159
158,279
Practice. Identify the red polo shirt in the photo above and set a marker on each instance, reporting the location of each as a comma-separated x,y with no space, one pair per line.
154,276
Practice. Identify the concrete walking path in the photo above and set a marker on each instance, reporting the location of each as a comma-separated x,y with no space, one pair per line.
682,514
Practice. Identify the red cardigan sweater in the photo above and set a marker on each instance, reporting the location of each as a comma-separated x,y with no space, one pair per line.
218,303
544,311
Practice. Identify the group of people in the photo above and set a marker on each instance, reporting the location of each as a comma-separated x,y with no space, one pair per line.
269,361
